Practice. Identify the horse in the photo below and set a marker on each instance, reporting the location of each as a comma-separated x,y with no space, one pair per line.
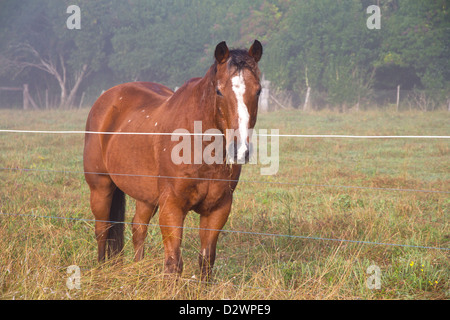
139,164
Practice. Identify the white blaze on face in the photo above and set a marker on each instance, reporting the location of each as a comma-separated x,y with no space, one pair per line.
244,117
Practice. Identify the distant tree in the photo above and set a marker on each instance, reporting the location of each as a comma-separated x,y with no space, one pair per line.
416,43
172,41
325,45
261,23
39,39
161,41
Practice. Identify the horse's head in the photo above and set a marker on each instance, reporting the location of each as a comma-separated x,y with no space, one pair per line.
237,91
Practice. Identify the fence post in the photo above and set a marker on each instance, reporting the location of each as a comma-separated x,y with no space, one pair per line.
27,98
264,97
46,99
398,96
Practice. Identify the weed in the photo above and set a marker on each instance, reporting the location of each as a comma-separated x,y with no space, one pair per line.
35,252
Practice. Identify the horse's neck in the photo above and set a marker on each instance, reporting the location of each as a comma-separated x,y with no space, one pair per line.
201,95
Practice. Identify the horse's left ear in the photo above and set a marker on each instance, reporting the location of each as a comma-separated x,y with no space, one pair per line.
256,50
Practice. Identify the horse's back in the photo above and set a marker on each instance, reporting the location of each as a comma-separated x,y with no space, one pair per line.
112,112
123,99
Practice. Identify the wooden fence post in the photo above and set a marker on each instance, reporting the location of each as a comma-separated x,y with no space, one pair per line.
27,99
264,96
46,98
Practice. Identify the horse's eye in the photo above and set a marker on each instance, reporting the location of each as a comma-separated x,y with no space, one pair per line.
219,93
258,92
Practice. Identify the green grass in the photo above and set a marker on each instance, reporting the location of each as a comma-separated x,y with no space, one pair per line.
35,252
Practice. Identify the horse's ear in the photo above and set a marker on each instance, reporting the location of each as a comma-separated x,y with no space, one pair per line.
256,50
222,53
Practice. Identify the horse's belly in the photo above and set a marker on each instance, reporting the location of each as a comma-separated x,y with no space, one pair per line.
132,166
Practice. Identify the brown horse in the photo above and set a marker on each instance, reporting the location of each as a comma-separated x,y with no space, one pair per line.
141,165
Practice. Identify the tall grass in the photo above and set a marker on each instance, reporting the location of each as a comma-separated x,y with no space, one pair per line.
35,252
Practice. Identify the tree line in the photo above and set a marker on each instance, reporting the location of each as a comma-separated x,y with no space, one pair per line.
323,45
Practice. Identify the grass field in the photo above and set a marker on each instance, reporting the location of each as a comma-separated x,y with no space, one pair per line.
35,252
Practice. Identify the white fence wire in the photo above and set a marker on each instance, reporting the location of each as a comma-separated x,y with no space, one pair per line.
241,180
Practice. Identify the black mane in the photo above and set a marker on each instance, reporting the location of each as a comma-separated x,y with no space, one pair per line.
240,59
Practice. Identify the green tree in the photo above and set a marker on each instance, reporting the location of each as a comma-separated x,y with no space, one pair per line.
40,40
162,41
324,45
417,39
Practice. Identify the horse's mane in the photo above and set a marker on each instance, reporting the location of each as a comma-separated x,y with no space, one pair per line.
239,60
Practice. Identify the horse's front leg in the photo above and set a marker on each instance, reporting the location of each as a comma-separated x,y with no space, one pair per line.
210,225
171,219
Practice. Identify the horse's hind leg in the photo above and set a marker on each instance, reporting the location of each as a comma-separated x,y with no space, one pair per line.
144,212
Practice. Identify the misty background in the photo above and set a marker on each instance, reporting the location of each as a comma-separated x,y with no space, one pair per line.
323,45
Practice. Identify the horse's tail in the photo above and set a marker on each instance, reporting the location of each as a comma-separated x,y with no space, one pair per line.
115,241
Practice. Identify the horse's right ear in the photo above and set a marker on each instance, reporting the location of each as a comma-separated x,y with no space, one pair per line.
222,53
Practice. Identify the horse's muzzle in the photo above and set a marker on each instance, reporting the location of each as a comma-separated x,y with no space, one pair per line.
238,153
